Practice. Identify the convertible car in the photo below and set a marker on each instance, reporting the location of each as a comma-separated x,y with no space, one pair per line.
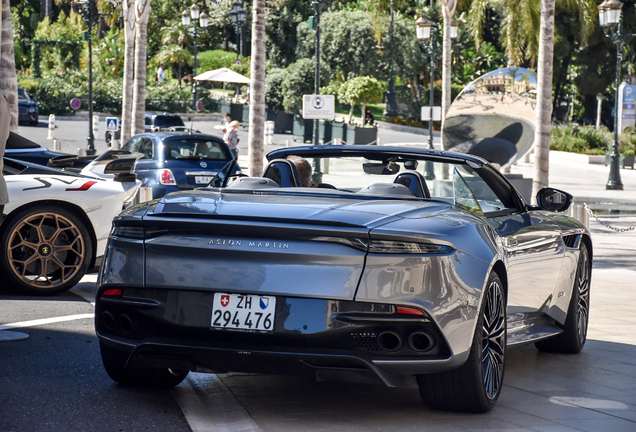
55,226
404,266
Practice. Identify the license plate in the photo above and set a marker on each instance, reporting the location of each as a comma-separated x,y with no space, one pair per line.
203,179
243,312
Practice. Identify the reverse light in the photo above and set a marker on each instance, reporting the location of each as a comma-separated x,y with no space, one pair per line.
384,246
166,177
113,292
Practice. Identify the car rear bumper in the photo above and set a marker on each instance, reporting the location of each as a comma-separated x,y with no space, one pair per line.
306,340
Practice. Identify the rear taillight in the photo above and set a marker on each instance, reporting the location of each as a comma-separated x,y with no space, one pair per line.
166,177
113,292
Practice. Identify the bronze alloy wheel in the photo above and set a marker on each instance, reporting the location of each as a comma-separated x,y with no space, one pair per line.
494,339
46,250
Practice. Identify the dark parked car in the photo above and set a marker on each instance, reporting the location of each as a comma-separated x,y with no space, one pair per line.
174,161
29,110
160,122
404,266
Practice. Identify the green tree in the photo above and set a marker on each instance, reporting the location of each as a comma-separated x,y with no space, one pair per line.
360,91
176,56
299,80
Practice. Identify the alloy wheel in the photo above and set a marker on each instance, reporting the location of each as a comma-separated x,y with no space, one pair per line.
494,339
45,250
583,306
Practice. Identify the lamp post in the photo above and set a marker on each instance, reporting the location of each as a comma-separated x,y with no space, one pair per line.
88,11
610,18
237,15
194,16
424,32
318,5
391,104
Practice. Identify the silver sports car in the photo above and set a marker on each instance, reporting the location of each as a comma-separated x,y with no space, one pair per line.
389,265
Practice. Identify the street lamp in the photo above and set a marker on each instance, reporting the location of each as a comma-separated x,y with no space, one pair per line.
424,32
609,13
194,16
88,11
237,15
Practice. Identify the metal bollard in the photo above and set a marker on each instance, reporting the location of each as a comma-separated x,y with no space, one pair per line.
81,152
114,144
95,125
51,127
143,194
269,132
579,212
337,141
57,145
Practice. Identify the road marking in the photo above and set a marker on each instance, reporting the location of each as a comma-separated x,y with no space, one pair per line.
210,406
44,321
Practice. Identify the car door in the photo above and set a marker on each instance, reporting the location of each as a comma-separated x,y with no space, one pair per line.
531,242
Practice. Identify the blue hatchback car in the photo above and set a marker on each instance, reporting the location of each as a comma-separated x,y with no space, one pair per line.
174,161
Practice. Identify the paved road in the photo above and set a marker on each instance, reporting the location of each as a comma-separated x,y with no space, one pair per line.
54,379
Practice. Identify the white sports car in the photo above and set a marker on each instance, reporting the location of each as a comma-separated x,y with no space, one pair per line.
55,226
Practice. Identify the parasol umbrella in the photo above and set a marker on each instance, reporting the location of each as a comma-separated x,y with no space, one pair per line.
223,75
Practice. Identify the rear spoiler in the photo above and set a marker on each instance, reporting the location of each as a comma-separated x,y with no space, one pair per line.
117,163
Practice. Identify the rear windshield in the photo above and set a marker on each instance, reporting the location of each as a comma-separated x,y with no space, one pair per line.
168,121
196,147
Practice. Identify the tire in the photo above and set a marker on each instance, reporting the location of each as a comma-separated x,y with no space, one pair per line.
574,335
475,386
44,250
115,360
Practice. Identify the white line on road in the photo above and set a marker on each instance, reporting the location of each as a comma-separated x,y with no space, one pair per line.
210,406
44,321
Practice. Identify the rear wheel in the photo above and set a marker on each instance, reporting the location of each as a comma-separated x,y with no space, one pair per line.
574,335
475,386
115,360
44,250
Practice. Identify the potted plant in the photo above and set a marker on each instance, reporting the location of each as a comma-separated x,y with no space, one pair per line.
628,159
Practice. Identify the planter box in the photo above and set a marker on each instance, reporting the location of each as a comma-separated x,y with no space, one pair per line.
235,110
361,135
283,122
338,131
245,116
303,129
325,130
627,161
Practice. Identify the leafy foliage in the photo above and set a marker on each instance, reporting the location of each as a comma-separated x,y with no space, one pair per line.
274,89
575,138
299,80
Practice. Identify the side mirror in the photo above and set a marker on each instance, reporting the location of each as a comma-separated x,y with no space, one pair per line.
553,200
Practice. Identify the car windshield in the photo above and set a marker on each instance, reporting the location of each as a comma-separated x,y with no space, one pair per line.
168,121
454,182
196,148
22,94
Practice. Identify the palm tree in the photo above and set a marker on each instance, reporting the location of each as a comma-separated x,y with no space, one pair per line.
110,53
8,76
142,13
128,12
174,54
544,97
256,137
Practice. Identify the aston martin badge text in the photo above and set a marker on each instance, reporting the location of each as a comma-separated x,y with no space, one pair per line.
252,244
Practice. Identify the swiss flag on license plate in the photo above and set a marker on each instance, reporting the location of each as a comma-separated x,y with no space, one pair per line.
225,300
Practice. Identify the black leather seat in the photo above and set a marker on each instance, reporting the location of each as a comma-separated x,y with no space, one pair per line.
283,172
415,181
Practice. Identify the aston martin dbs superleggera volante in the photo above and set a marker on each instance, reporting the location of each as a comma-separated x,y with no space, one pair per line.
402,266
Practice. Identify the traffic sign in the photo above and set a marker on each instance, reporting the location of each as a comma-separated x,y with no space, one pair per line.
319,107
199,106
76,103
112,124
426,113
238,62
